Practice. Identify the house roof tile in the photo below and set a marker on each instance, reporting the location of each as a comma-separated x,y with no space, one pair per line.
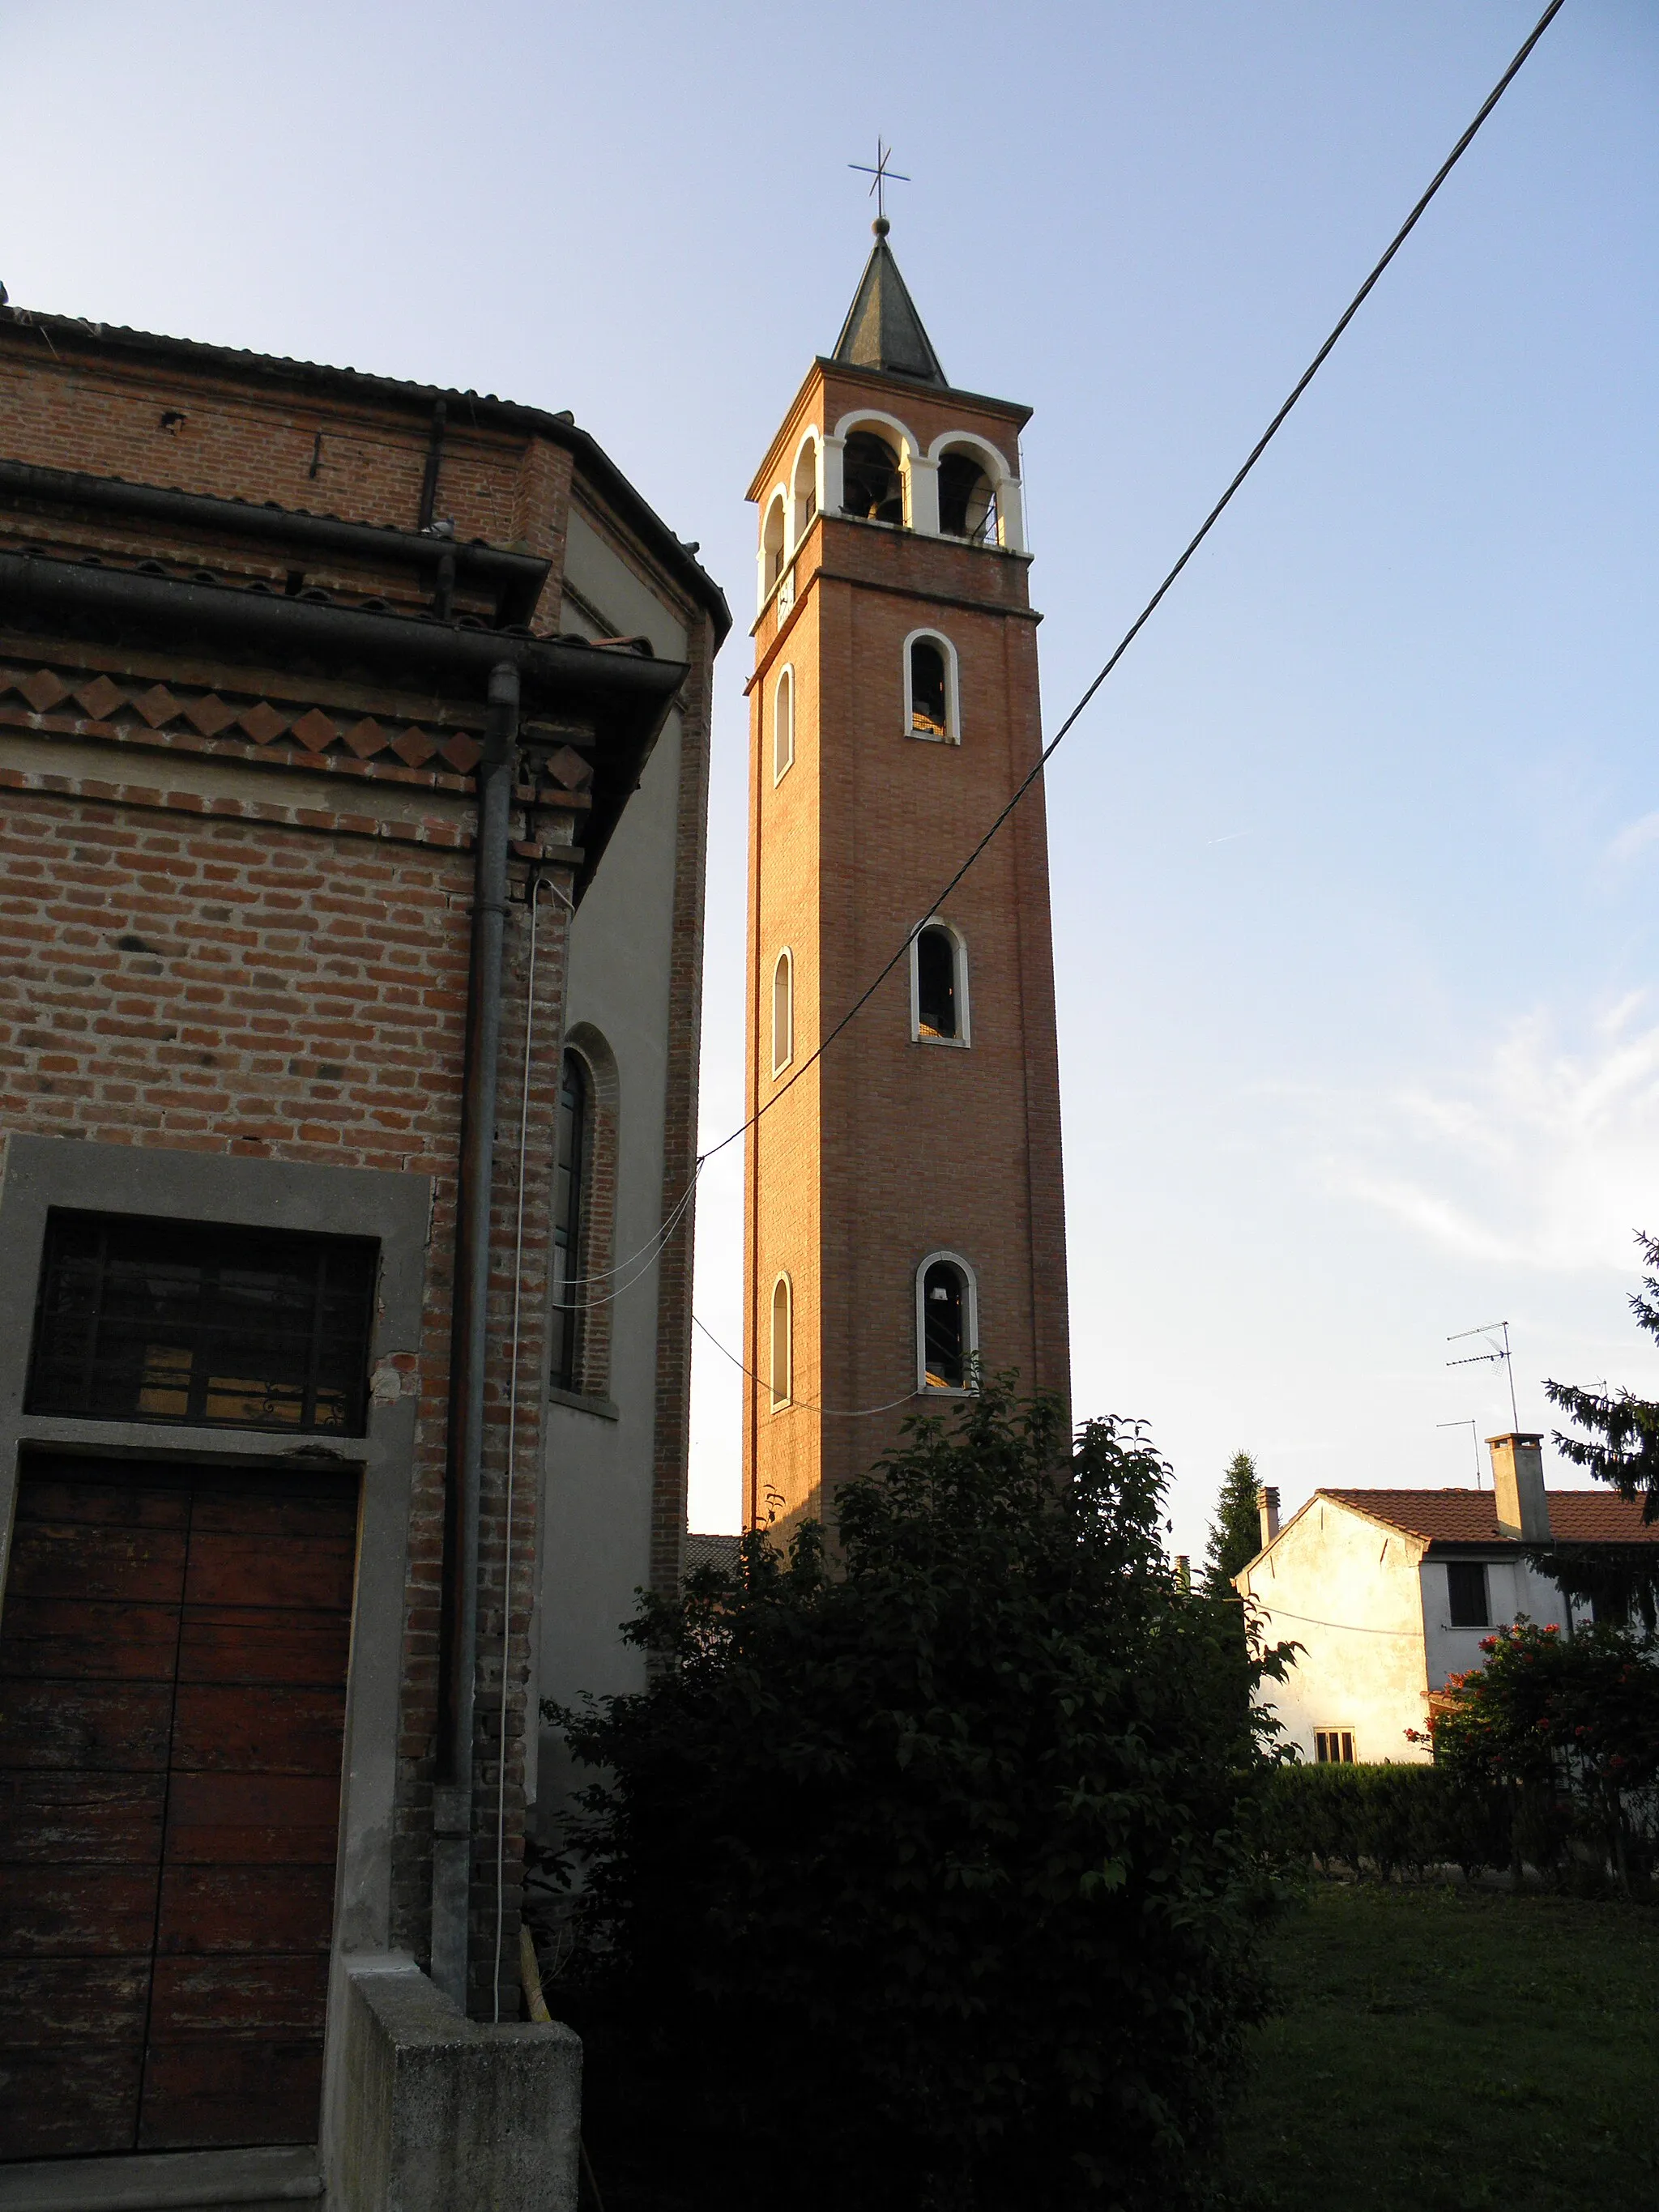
1470,1517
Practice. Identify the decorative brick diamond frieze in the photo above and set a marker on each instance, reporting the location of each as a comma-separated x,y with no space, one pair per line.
262,722
196,714
43,689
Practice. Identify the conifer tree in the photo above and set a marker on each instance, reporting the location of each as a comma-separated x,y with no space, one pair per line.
1236,1532
1622,1450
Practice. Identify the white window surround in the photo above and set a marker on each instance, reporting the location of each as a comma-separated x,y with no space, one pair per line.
782,1368
783,1010
783,724
952,689
963,1036
969,1324
920,479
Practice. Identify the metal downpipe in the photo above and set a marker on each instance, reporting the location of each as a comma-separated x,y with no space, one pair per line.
458,1665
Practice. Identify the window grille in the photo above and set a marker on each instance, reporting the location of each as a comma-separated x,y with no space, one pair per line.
1333,1747
208,1324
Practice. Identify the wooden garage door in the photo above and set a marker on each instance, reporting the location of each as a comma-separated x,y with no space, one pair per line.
172,1666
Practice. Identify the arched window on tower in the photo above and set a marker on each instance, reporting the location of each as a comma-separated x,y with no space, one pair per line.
930,688
967,499
947,1323
783,725
783,1013
783,1343
569,1215
873,483
939,986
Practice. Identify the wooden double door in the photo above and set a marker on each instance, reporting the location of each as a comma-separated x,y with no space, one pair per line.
173,1669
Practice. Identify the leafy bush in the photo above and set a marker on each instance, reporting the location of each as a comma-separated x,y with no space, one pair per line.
1390,1819
922,1881
1570,1721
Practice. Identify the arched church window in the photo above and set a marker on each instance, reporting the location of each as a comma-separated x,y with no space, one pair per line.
939,985
783,1013
947,1322
783,725
783,1343
872,483
569,1206
772,546
967,499
930,688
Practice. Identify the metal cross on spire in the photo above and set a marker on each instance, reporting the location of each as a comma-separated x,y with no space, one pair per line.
881,174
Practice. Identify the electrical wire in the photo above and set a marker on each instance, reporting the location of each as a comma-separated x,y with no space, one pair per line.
1158,596
806,1404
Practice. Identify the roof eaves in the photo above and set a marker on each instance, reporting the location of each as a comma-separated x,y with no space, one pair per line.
508,414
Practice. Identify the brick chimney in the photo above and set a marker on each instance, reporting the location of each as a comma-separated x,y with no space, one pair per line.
1267,1504
1517,1481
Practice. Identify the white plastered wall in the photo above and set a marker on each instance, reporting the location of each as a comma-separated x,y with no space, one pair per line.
1348,1590
596,1521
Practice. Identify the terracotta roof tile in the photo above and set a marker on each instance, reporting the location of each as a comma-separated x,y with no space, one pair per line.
1470,1517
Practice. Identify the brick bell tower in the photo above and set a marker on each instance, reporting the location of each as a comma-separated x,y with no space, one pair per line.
904,1208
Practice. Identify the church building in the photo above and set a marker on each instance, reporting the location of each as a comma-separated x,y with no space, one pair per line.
354,742
904,1209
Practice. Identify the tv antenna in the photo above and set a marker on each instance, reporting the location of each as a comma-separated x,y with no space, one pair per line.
1474,1435
1491,1358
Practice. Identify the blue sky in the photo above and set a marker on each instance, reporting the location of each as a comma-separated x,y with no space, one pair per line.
1355,861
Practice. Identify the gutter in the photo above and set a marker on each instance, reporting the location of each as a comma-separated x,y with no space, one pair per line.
458,1661
516,579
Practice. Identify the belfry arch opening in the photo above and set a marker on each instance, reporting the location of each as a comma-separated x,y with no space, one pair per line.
805,487
773,547
872,480
967,498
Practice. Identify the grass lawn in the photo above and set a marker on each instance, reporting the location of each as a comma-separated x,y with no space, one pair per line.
1442,2052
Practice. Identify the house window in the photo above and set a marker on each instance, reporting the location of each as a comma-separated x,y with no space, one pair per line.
569,1206
1333,1747
873,483
783,1343
783,725
783,1013
1465,1594
947,1322
203,1323
930,688
939,986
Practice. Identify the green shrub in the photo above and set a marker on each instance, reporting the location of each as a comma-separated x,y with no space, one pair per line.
1388,1820
918,1880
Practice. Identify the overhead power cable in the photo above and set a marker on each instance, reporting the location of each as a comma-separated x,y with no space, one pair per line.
806,1404
1158,596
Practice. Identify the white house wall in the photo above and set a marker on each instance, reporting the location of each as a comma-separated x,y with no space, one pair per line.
1512,1588
1347,1590
596,1522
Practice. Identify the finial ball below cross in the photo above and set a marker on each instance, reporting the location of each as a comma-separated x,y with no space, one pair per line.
883,176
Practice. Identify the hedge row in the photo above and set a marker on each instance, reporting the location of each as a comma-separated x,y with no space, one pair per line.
1389,1820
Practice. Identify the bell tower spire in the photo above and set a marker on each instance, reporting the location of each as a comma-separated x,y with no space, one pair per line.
904,1216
